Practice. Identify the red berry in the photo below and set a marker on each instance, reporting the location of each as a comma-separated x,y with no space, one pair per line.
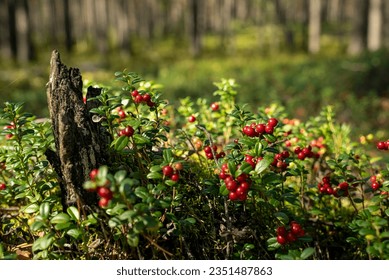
269,129
244,186
301,156
175,177
233,196
191,118
167,170
214,106
122,113
382,145
93,174
103,202
260,128
343,186
2,186
281,231
290,237
104,192
128,131
138,99
242,178
272,122
249,131
375,185
134,93
281,240
222,175
232,185
295,229
146,97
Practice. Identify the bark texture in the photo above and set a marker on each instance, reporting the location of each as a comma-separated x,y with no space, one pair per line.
81,144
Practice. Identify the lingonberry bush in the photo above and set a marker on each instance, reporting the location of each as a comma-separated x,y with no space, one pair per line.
198,180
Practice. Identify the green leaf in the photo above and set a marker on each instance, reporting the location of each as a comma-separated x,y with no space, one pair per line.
232,168
258,149
263,164
32,208
120,176
44,210
133,239
37,225
120,143
62,226
43,243
155,168
74,232
387,212
60,218
114,222
154,176
307,253
282,217
191,220
223,190
127,215
141,192
167,155
73,213
140,140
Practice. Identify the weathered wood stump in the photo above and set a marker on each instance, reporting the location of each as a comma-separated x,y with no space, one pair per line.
80,144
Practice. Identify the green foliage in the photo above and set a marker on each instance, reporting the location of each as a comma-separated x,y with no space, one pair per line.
230,183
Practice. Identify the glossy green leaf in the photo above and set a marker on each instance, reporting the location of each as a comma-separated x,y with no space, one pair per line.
307,253
32,208
60,218
44,210
73,213
263,164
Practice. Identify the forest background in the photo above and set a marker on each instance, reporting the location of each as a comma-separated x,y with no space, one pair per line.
302,54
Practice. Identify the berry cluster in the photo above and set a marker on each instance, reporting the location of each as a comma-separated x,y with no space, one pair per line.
238,187
383,145
280,160
255,130
104,191
375,182
127,131
142,98
306,152
290,234
325,187
209,154
172,173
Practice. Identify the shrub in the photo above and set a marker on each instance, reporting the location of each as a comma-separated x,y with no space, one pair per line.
201,181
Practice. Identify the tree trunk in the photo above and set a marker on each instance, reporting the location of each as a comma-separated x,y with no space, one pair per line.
314,26
374,25
80,143
196,26
357,41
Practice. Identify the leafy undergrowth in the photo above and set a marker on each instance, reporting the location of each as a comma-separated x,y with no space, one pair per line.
197,181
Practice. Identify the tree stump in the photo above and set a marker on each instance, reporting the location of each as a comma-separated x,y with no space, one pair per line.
80,144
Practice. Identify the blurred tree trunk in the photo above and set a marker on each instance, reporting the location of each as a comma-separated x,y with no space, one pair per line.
196,26
283,20
68,26
357,42
374,31
5,38
314,26
25,50
100,22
